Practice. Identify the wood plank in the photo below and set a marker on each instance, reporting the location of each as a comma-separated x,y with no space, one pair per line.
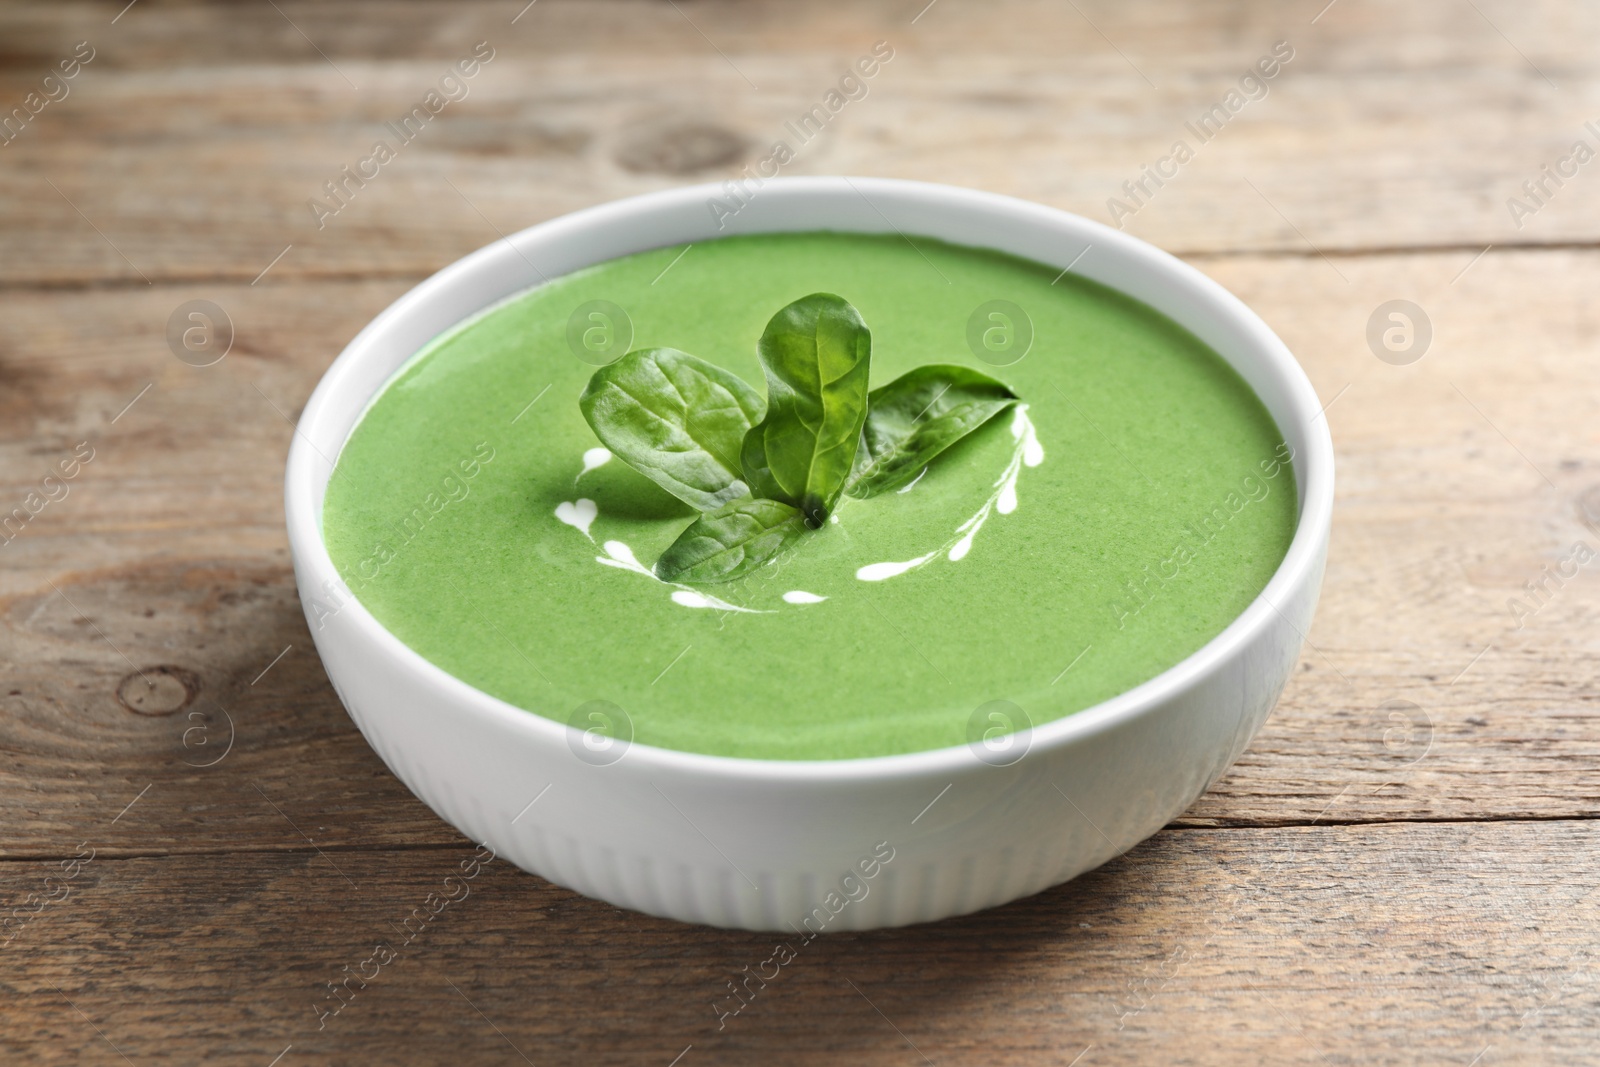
192,144
168,551
1375,945
1461,478
171,545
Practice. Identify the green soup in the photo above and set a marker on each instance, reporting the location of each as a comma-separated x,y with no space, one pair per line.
1067,551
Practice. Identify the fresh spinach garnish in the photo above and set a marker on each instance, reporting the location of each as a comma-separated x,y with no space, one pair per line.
730,542
763,473
917,416
815,353
675,419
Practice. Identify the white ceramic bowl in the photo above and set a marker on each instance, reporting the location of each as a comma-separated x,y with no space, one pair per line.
776,845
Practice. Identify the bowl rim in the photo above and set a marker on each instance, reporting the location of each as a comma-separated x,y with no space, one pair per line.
1313,468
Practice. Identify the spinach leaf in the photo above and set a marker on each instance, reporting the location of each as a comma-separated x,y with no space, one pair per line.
917,416
675,419
730,542
816,353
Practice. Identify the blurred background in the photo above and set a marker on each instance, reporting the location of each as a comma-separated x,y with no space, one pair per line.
1402,863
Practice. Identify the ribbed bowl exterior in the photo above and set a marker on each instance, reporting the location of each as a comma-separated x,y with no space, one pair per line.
764,856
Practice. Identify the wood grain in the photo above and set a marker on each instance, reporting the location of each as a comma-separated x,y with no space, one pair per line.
1399,869
190,147
1380,944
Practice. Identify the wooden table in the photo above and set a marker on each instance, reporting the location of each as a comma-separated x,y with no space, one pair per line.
1401,869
